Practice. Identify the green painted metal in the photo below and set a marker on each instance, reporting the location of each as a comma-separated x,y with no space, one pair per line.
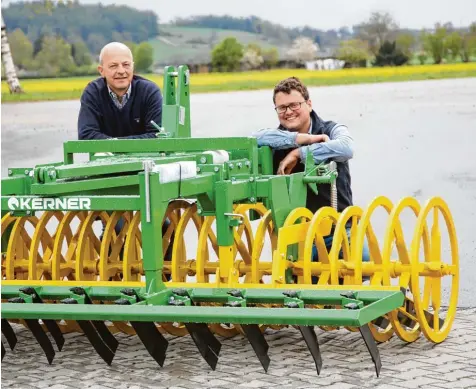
126,176
378,304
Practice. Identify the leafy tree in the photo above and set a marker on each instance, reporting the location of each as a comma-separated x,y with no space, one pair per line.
144,57
303,49
96,42
434,43
406,43
453,44
422,57
21,48
390,55
55,57
132,46
80,53
270,57
226,56
353,52
468,45
69,18
379,28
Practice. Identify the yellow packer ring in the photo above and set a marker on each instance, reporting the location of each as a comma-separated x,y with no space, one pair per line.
379,267
89,248
327,266
19,243
133,266
110,263
41,266
173,213
437,269
257,272
394,233
63,266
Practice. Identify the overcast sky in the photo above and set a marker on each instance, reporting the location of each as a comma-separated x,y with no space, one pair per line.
318,13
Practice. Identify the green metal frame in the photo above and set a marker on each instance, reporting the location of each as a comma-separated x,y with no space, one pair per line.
125,179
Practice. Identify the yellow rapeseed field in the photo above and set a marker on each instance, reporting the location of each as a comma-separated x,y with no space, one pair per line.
215,80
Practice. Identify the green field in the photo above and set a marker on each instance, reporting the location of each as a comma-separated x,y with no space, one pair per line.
71,88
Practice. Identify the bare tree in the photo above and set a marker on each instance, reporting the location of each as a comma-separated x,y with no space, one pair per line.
7,59
379,28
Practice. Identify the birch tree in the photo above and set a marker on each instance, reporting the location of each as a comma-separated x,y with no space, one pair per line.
7,59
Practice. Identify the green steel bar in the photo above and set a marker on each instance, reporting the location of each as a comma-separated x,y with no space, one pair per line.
114,165
154,204
201,314
58,187
60,292
164,145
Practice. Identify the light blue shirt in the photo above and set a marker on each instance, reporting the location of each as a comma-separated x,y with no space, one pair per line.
339,148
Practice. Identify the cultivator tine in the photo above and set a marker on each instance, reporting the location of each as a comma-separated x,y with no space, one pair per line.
37,331
310,338
105,335
95,338
153,340
100,326
51,325
207,344
372,347
258,342
9,334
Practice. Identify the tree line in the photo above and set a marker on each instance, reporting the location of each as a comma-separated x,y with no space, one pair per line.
55,38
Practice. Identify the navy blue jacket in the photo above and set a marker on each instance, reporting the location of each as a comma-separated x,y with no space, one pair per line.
99,118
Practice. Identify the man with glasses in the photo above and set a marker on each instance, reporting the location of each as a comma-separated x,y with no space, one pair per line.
302,131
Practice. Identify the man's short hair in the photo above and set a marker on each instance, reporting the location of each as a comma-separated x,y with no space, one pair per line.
290,84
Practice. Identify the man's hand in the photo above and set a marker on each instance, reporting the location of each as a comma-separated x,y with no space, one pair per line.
289,162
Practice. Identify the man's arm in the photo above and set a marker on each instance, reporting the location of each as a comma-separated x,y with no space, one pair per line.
88,119
338,148
281,139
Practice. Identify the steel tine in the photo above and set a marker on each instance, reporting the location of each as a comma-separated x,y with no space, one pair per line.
97,342
94,338
55,332
258,342
310,338
372,347
207,344
153,340
105,334
51,325
9,334
38,333
3,351
42,338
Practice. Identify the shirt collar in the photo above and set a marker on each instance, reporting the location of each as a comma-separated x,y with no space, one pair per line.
126,95
310,127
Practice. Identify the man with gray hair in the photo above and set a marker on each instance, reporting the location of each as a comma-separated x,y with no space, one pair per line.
119,104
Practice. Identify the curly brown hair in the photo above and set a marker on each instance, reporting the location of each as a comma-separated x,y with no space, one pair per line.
290,84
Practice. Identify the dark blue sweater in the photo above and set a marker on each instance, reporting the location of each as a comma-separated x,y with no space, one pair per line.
99,118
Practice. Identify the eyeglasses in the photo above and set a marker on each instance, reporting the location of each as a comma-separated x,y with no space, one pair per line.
293,107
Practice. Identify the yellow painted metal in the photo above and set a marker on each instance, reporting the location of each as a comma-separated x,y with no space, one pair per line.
432,285
65,256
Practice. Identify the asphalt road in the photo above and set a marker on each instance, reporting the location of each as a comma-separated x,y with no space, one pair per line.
412,139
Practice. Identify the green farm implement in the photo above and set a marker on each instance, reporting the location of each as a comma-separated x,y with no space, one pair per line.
181,235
